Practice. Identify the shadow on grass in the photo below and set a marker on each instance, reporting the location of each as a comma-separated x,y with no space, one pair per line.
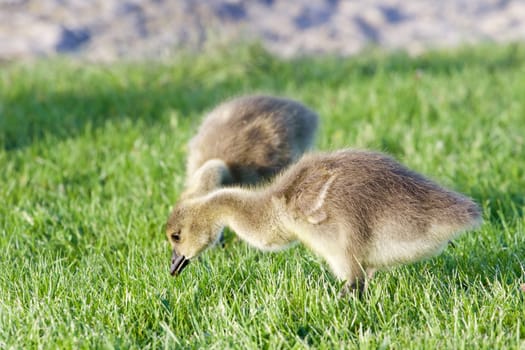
489,261
31,116
65,106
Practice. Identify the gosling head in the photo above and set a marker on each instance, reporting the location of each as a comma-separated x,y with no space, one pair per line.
189,233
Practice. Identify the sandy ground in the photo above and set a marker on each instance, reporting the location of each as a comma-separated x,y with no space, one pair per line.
110,29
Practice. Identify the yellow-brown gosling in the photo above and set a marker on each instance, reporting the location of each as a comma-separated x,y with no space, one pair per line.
359,210
247,140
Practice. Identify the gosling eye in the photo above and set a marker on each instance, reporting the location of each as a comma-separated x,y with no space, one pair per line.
175,237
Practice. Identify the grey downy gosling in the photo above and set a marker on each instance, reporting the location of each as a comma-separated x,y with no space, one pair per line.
359,210
247,140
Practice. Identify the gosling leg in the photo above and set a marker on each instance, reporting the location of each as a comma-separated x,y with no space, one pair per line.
370,271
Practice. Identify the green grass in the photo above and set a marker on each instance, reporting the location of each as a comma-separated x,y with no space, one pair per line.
92,158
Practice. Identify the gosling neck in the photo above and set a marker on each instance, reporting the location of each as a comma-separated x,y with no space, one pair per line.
239,209
210,176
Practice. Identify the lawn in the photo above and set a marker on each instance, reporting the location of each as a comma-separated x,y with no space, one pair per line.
92,159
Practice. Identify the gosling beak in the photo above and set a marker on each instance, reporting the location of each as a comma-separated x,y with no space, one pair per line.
178,262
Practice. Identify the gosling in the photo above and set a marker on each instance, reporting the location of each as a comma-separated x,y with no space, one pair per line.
359,210
246,141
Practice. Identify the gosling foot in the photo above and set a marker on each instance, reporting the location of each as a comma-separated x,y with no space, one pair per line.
356,288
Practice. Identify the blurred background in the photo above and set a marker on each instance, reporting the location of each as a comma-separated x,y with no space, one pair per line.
105,30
